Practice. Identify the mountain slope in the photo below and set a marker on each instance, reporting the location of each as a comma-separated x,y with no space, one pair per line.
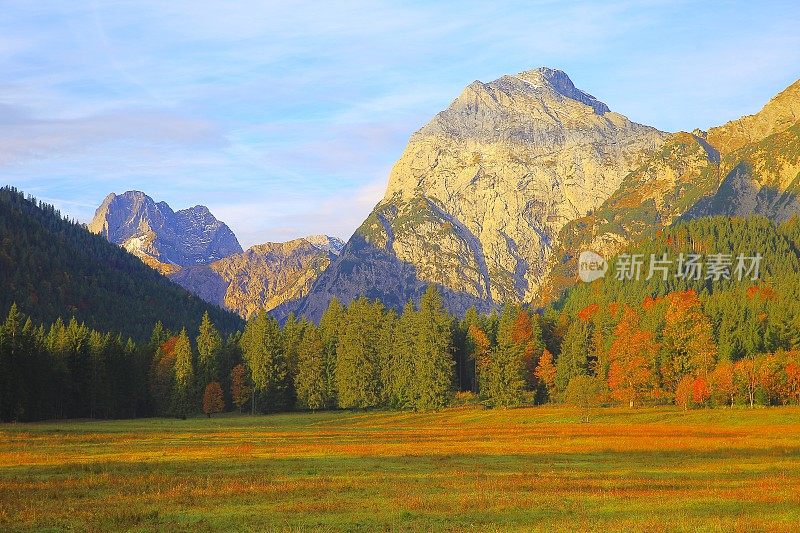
480,193
263,277
55,268
163,238
749,166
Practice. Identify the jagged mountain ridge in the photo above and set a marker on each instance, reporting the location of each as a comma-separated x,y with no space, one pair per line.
163,238
481,192
264,276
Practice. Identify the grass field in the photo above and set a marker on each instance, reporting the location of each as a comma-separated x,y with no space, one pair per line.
522,469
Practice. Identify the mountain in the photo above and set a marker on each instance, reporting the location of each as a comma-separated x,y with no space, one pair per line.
479,196
749,166
163,238
53,268
263,277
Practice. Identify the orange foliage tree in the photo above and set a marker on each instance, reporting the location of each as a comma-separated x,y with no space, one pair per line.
631,352
213,401
546,373
522,334
746,374
723,385
481,355
793,381
700,391
688,340
684,391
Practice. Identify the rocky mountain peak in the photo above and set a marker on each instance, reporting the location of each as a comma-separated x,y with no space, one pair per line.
480,193
161,236
558,81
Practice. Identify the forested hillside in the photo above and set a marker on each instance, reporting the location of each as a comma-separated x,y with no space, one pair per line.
52,267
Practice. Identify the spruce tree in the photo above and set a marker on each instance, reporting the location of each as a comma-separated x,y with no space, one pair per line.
309,380
433,357
357,363
209,346
262,349
184,391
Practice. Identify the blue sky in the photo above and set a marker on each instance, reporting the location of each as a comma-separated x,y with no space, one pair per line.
285,117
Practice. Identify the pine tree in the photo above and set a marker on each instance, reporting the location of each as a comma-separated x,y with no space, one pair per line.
209,346
309,380
330,327
399,375
574,357
184,396
433,359
262,349
357,363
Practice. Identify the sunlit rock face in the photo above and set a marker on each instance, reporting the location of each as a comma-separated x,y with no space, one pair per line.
262,277
480,193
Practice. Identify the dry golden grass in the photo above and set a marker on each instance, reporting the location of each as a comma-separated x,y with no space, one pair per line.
461,469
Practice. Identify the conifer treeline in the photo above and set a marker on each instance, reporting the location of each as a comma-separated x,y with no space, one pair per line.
715,343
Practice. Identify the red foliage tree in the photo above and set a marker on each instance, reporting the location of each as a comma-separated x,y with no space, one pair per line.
240,390
700,391
213,401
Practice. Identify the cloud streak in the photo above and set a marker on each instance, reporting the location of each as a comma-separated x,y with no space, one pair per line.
285,117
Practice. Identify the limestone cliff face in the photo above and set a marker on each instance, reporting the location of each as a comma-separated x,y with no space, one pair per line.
263,277
749,166
481,192
161,237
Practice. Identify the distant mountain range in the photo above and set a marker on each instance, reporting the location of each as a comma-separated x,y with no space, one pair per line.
492,201
202,254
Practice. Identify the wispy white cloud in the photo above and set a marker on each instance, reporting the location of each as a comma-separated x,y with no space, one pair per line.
285,117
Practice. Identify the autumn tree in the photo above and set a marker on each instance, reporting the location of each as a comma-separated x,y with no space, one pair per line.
684,391
213,401
629,374
723,385
746,375
240,388
546,373
688,343
480,353
700,390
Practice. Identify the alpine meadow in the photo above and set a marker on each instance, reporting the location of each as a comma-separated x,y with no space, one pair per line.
546,316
